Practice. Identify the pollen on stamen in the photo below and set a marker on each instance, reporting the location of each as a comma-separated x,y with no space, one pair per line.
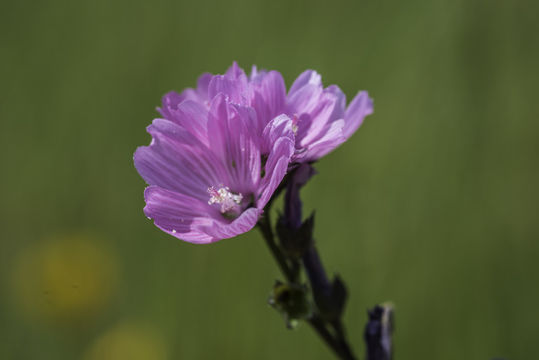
223,196
295,123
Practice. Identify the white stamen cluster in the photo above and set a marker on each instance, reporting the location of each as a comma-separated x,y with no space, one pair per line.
225,197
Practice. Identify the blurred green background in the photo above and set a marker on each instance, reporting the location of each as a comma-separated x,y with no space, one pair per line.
432,204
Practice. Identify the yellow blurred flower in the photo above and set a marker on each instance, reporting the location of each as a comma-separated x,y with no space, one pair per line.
65,280
128,341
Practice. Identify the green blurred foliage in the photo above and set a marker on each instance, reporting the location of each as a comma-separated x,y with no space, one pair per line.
432,204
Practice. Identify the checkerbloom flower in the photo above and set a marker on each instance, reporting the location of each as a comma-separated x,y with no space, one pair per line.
220,151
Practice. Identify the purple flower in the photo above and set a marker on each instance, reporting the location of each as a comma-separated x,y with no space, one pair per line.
321,120
210,171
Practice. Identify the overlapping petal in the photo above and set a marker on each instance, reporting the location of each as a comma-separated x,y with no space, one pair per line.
172,99
280,136
221,151
361,106
192,220
320,117
177,161
324,122
268,93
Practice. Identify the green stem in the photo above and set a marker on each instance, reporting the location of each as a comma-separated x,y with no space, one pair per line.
320,327
336,342
265,228
341,339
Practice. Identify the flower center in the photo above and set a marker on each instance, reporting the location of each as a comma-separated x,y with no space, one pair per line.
295,123
228,200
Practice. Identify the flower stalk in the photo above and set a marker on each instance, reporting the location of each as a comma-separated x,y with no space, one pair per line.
296,251
265,228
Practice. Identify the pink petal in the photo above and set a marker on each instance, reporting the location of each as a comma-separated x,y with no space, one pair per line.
361,106
308,77
177,161
280,135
